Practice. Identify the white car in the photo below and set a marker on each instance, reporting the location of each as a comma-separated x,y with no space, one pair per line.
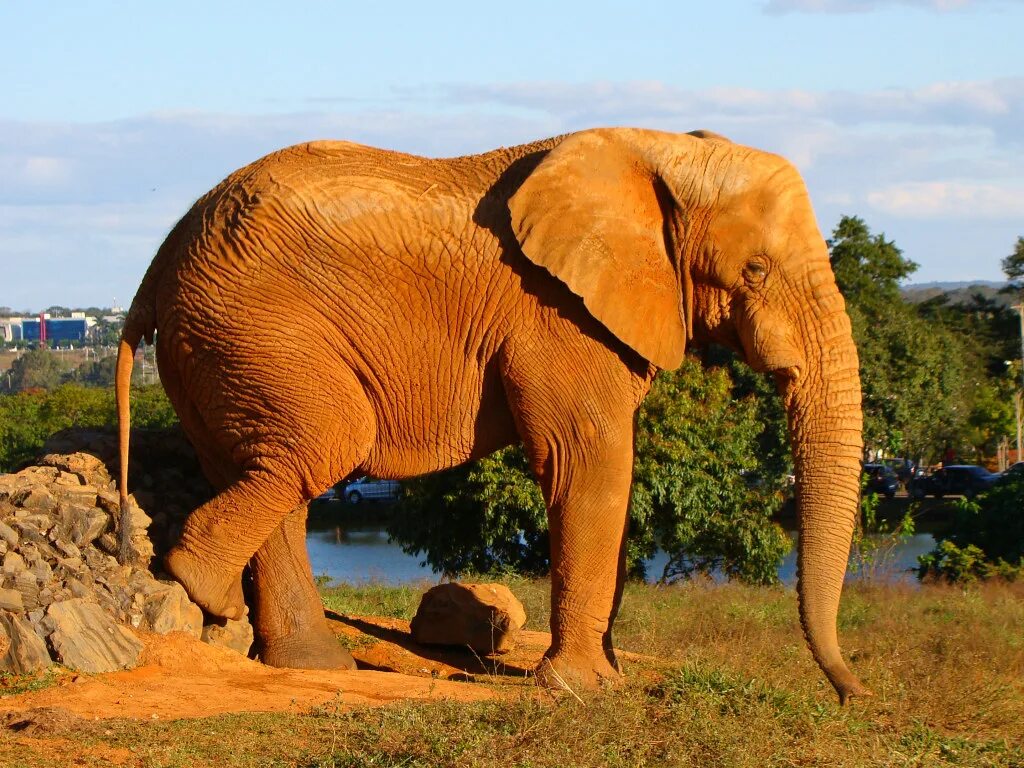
369,489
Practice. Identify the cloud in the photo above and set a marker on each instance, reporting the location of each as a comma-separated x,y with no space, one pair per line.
867,6
98,198
935,199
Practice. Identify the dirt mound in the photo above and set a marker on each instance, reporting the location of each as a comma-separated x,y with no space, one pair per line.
182,677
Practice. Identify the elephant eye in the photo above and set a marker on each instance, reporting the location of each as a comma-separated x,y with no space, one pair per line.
754,271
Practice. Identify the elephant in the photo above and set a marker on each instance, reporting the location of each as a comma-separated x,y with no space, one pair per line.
335,308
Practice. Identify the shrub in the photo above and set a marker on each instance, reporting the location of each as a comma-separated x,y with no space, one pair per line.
986,539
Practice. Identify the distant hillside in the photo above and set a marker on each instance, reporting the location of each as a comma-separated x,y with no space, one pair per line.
958,292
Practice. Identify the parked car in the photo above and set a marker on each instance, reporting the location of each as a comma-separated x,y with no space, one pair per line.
1014,470
955,480
881,479
329,495
905,469
371,489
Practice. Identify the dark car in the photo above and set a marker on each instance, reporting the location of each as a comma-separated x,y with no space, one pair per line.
1015,470
881,479
905,469
955,480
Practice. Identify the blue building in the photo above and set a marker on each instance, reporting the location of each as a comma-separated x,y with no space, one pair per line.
58,329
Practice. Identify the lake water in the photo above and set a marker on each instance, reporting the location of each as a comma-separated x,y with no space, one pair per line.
361,556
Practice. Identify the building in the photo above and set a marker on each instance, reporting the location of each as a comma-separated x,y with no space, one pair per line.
59,330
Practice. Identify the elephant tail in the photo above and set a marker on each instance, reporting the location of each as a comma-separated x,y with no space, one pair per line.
140,322
122,385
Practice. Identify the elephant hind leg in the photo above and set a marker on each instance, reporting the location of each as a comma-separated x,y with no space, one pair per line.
288,618
291,630
283,456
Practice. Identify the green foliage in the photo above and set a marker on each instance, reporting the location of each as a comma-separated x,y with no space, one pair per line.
875,540
1013,266
97,373
929,373
28,418
701,493
484,517
868,268
35,369
986,539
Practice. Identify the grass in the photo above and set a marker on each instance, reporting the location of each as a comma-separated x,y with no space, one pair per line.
736,687
12,684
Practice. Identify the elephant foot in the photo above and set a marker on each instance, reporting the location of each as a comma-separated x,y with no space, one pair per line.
308,650
216,592
573,672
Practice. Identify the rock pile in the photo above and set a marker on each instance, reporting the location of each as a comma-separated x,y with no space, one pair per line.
76,584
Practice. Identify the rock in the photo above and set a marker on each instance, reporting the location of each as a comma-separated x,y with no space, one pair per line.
60,522
33,527
10,600
25,582
108,543
486,617
109,502
236,635
8,534
27,651
169,610
88,525
87,639
13,564
88,468
82,495
69,549
36,498
134,546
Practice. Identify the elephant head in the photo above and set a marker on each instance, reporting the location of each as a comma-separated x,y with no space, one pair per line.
670,237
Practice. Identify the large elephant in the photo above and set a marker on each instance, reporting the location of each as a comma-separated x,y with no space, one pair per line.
334,308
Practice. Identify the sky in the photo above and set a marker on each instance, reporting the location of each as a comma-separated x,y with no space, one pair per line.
115,117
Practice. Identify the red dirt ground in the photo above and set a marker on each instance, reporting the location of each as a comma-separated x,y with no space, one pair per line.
180,677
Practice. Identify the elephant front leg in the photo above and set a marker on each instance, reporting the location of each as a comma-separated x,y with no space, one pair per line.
289,622
587,518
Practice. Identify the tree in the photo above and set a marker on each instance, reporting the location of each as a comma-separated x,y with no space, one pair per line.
701,493
914,373
703,490
97,373
1013,266
36,369
28,418
868,268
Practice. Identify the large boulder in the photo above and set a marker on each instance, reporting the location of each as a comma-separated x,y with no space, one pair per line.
485,617
85,638
25,650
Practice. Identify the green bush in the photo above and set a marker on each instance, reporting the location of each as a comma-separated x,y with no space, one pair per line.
986,539
27,419
703,493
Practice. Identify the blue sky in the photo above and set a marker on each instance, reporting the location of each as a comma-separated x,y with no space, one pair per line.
116,116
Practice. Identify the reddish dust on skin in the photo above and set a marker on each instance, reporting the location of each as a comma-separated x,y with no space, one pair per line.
181,677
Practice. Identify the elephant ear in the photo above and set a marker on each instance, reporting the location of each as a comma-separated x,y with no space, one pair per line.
593,213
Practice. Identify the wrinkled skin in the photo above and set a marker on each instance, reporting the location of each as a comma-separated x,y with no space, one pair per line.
335,308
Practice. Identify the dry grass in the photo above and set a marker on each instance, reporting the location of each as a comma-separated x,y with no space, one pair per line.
737,687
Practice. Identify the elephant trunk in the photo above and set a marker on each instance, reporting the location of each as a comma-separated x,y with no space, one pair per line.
823,403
